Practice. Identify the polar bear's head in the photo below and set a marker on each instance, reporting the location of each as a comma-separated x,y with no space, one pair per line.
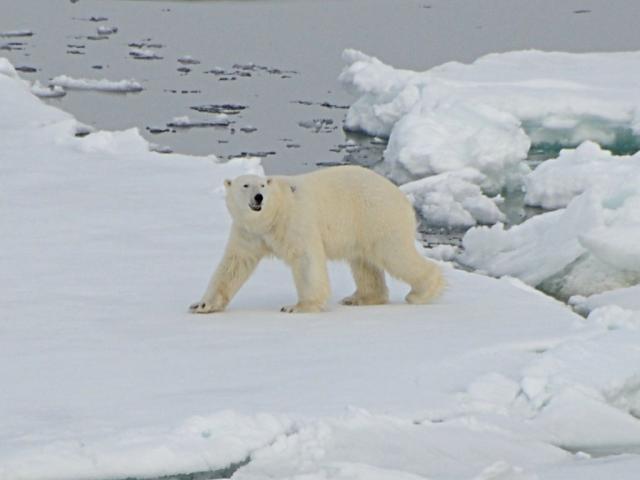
252,199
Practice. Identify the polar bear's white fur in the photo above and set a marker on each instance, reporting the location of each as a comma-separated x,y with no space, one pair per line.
340,213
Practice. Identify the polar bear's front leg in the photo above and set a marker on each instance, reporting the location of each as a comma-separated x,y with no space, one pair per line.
240,259
312,283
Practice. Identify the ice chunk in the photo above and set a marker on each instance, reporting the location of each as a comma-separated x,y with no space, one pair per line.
188,60
555,182
219,120
16,33
537,249
123,86
102,30
590,246
453,200
487,114
144,54
44,91
626,298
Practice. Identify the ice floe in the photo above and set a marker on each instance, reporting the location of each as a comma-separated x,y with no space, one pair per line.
219,120
47,91
16,33
102,30
486,115
589,245
111,378
453,200
104,85
144,54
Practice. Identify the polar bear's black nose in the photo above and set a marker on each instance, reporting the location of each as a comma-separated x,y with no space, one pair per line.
258,198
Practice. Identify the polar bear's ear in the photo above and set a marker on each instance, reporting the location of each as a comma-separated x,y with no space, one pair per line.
227,183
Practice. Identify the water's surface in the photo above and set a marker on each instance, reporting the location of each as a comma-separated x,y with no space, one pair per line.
302,39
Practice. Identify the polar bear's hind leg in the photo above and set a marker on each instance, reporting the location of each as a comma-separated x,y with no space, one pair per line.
423,275
371,288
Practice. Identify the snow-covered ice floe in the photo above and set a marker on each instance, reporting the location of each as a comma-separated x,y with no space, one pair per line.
103,30
486,115
47,91
105,375
215,120
104,85
16,33
589,245
144,54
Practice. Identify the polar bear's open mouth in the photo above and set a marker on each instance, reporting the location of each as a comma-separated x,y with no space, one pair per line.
255,207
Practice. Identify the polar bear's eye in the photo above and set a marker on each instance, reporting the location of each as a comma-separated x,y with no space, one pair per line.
262,186
246,185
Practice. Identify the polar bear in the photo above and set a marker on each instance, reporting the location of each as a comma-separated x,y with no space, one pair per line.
340,213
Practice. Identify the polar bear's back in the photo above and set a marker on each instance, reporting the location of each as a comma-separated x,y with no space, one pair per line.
355,208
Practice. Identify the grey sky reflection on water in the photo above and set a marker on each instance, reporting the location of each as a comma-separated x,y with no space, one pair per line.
304,38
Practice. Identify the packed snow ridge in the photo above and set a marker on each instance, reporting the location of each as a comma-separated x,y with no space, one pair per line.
110,377
485,116
104,85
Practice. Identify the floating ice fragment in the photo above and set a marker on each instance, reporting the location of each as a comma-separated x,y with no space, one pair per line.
44,91
220,120
16,33
188,60
107,30
144,54
122,86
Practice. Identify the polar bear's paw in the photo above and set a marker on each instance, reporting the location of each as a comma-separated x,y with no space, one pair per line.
302,308
354,300
204,307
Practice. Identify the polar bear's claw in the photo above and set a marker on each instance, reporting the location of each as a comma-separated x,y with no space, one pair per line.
302,308
203,307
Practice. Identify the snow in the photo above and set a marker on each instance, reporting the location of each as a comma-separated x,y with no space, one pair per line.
484,117
104,246
16,33
627,298
215,120
103,30
44,91
556,182
452,200
589,245
188,60
487,113
144,54
104,85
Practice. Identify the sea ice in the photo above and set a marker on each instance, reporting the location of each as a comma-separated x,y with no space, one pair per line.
217,120
123,86
556,182
144,54
486,115
16,33
44,91
110,377
452,200
102,30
